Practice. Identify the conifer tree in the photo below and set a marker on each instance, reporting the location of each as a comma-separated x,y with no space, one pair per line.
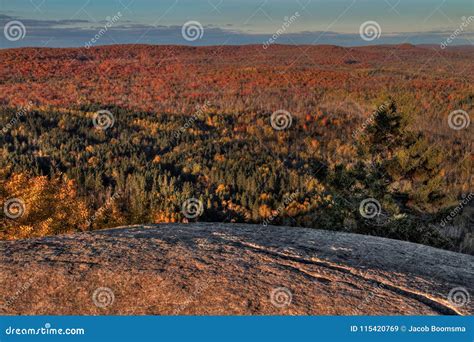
401,166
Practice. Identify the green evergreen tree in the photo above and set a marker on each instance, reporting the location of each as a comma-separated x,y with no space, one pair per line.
402,167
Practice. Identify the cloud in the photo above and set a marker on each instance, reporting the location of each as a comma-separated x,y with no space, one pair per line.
77,33
42,23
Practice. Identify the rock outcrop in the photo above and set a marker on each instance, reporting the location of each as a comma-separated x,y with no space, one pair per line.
223,269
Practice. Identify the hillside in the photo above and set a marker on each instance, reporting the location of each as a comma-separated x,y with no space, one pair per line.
125,134
206,268
295,135
302,79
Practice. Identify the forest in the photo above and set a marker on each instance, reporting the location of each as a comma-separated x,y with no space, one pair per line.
349,139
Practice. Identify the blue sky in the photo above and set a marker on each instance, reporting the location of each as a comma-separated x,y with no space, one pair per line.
73,23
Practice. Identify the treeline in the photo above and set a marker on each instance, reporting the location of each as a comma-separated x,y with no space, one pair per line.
70,175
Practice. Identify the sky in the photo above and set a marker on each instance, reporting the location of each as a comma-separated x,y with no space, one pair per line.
64,23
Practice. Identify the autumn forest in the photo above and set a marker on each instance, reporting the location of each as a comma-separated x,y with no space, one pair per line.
292,135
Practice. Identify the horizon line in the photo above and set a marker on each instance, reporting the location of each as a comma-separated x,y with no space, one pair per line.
98,46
